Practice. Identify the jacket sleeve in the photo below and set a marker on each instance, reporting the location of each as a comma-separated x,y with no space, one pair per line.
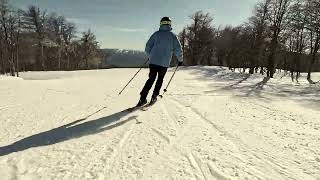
177,48
150,44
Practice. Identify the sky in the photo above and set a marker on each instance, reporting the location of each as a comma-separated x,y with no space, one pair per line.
127,24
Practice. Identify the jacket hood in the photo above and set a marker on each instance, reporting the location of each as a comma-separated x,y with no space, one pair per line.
165,28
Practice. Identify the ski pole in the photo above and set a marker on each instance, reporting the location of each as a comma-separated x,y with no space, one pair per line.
166,89
133,77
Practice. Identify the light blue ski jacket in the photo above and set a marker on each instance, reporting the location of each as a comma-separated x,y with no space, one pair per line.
162,45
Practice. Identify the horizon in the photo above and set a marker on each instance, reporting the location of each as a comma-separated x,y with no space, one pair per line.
131,26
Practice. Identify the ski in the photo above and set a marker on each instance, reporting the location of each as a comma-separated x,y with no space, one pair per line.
148,106
135,108
142,108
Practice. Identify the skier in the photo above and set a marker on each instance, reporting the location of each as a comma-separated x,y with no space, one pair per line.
160,48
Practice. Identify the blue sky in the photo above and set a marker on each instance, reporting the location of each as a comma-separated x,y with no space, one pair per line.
127,24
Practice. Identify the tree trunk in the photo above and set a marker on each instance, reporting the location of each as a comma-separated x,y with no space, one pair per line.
271,59
12,63
42,61
251,71
261,70
87,64
313,58
68,57
2,68
17,60
297,76
59,59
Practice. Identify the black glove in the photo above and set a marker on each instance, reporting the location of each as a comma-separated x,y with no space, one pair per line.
180,63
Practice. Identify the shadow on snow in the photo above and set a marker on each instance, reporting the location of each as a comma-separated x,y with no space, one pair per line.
305,95
69,131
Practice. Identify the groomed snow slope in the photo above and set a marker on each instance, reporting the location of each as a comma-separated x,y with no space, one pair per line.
212,124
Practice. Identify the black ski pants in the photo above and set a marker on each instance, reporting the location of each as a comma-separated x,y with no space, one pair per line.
154,71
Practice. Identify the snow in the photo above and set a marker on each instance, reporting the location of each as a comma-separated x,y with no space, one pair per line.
212,124
3,77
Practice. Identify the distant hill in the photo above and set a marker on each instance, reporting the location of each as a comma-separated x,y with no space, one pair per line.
120,58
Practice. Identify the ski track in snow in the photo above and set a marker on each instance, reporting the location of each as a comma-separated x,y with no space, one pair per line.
213,125
236,142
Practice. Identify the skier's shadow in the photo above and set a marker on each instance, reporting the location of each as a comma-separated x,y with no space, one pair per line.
69,131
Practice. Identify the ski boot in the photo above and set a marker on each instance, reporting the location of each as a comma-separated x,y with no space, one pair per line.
142,102
153,100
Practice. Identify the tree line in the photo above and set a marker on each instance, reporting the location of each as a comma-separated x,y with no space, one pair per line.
281,34
33,39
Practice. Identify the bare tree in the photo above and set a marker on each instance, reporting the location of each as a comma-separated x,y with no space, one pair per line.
199,39
68,34
313,24
32,40
88,46
10,32
280,34
55,27
297,19
35,21
183,40
278,13
260,25
4,35
18,30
